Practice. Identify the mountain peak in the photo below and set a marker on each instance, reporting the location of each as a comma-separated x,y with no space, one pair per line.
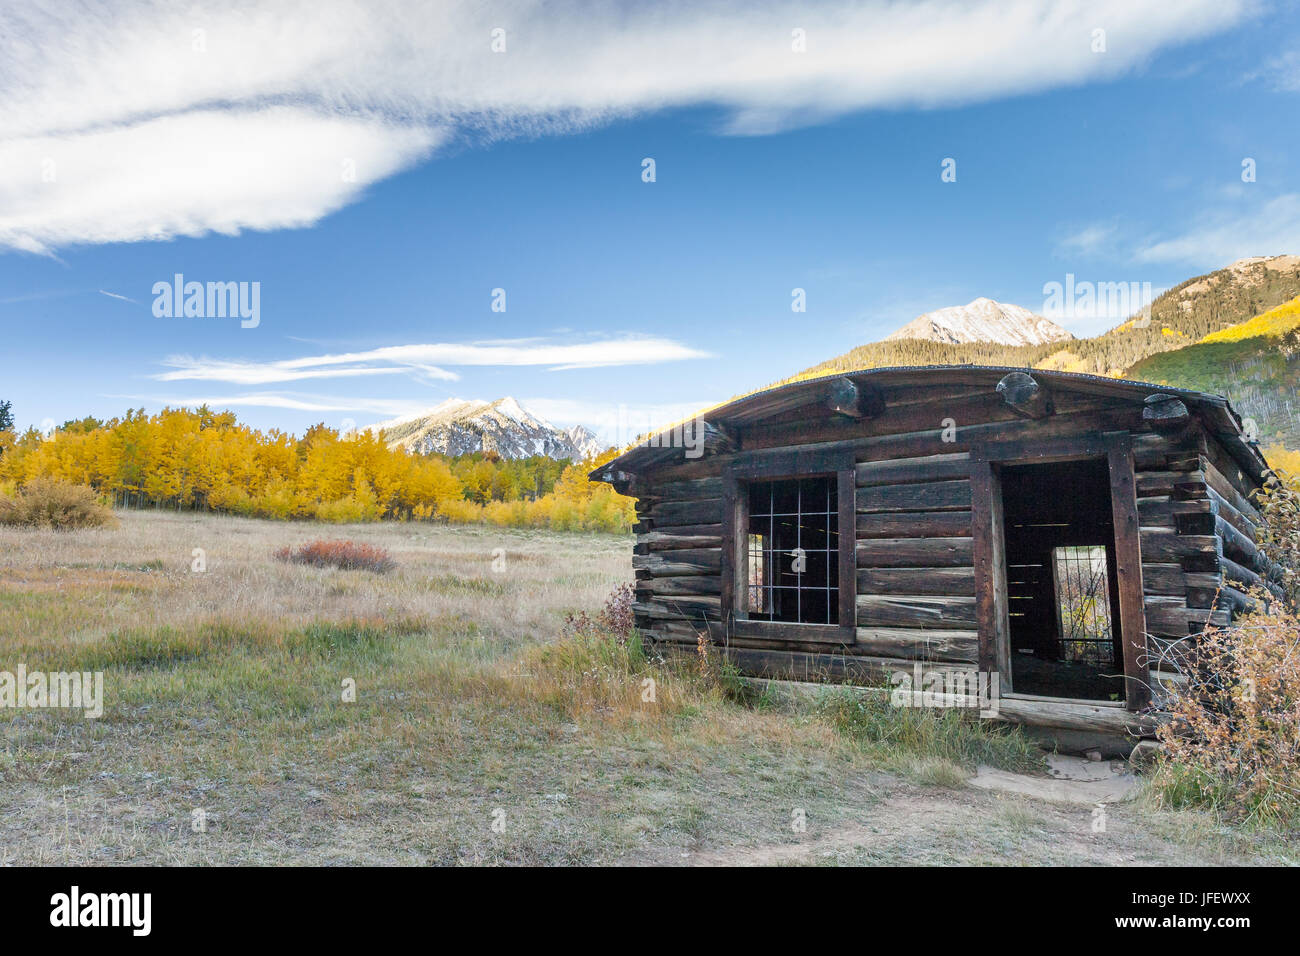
459,427
982,320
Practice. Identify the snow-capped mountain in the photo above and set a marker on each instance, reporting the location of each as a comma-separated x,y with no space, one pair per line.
458,427
983,321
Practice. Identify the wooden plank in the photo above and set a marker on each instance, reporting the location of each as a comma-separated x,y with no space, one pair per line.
848,566
1220,484
927,496
920,644
914,524
686,584
1165,546
911,470
685,561
687,536
1171,580
916,553
1128,571
733,553
691,489
679,608
917,611
989,566
955,581
1239,547
1088,419
819,668
669,513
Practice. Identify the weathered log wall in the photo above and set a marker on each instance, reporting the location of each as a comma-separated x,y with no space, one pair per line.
916,590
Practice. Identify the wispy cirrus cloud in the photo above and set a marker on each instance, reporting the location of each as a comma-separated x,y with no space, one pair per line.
428,361
1267,228
149,120
297,401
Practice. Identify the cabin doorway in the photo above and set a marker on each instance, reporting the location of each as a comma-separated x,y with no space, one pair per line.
1062,593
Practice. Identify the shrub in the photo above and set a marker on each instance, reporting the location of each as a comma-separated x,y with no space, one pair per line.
47,503
614,620
344,555
1233,743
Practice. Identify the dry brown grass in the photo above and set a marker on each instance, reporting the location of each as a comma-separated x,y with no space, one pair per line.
223,694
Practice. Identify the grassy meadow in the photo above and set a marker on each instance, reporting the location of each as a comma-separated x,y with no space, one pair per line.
480,732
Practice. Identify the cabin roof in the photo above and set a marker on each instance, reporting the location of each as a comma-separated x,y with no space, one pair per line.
1214,410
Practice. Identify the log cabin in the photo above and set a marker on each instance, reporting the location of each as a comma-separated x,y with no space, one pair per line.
1064,532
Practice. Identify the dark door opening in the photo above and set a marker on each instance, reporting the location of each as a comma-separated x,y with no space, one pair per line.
1063,600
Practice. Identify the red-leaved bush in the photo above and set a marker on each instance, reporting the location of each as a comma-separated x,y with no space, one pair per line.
615,618
345,555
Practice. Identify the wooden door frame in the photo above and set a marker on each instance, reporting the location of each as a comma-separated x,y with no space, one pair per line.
991,602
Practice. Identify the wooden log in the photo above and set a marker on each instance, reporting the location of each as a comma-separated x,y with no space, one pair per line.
1171,580
916,553
1235,602
1026,395
846,397
1178,620
820,668
926,438
1164,512
664,564
1223,488
942,581
919,644
683,536
710,584
1234,573
1180,485
1153,452
1081,716
1240,548
718,440
787,676
668,514
914,524
915,611
1228,511
691,489
912,470
679,608
1129,555
1165,413
927,496
1164,546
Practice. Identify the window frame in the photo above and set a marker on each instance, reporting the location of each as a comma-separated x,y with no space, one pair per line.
735,564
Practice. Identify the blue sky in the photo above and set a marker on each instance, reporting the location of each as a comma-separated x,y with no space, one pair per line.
186,145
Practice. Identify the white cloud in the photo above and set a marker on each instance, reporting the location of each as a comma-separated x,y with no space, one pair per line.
165,119
427,360
391,408
617,423
1256,229
205,171
1090,240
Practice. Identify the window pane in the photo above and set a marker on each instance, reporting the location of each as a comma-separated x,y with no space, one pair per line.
793,554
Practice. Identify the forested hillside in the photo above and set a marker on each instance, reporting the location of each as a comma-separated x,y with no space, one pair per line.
1179,317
